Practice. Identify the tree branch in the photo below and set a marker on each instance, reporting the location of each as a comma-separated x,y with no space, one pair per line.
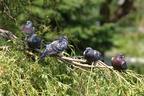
7,34
4,47
82,63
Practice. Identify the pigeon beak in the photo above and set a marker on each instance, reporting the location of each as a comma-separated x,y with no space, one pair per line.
112,58
123,56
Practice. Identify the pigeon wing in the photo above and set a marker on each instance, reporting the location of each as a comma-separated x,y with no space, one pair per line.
61,46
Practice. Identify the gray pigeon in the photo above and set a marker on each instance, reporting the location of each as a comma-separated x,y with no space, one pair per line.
55,47
33,42
91,55
28,28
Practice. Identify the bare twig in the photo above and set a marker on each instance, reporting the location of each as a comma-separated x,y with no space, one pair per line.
29,53
76,62
119,75
7,34
72,59
80,68
4,47
103,64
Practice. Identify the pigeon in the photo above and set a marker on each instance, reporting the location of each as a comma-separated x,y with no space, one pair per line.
33,42
92,55
119,63
55,47
28,28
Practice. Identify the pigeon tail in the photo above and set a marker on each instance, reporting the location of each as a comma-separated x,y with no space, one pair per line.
43,55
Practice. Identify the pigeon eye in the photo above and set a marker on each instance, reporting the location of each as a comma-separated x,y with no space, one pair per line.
121,57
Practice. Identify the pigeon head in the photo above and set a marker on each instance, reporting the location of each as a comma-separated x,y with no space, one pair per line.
63,38
87,50
28,28
120,58
119,62
29,24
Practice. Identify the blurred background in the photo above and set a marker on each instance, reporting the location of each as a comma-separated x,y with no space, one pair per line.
110,26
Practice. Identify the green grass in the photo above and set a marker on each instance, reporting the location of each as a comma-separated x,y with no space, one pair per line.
137,67
20,76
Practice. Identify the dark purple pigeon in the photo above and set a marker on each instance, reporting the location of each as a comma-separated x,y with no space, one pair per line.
119,63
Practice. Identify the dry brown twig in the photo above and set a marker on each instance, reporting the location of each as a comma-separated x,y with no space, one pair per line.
82,63
4,47
7,34
99,64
